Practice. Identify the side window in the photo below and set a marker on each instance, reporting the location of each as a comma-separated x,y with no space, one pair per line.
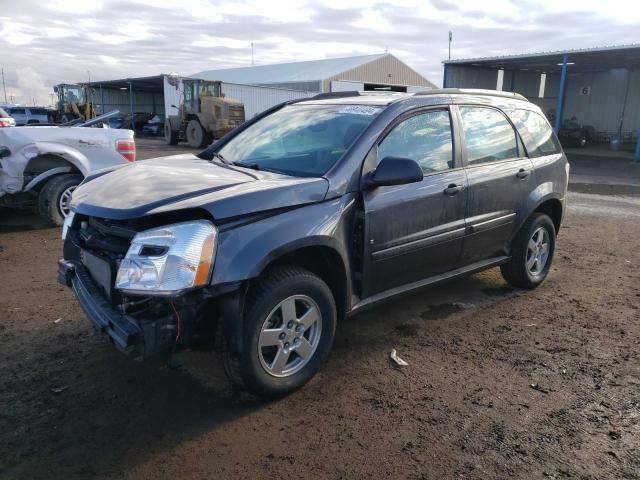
425,138
489,136
536,133
18,111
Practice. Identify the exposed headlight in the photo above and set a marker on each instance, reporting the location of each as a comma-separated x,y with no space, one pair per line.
68,220
167,260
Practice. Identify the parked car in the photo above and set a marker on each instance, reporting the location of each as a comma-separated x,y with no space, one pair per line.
28,115
140,119
308,213
5,119
43,165
154,127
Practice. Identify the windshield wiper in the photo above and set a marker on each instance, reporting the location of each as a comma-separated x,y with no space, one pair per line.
220,157
252,166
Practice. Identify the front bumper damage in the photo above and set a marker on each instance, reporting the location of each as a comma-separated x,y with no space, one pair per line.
138,339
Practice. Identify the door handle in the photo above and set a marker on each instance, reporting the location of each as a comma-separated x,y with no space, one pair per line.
522,173
452,189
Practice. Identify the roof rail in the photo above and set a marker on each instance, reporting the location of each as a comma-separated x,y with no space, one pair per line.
322,96
471,91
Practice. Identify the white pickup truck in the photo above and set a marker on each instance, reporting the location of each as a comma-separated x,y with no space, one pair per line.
43,165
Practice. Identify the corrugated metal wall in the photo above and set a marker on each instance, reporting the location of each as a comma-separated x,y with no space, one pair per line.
116,99
257,99
471,77
311,86
387,70
602,108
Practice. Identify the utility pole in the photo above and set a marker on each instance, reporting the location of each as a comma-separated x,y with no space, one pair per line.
4,87
450,38
252,64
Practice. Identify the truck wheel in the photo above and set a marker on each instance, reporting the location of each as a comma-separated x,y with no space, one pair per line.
288,330
170,135
54,198
531,253
195,134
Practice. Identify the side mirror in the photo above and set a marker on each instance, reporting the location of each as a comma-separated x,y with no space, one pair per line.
4,152
396,171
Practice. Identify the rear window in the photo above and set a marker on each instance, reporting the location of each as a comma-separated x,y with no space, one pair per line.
3,114
536,133
489,136
38,111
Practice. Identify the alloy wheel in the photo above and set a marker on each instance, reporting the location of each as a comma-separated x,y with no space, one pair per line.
290,336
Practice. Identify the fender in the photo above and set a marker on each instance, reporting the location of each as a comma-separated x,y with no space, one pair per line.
71,155
543,192
244,252
44,175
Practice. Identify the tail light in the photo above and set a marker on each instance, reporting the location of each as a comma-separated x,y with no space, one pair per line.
127,148
4,122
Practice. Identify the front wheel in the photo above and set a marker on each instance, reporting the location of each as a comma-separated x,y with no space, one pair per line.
196,136
531,253
288,330
55,197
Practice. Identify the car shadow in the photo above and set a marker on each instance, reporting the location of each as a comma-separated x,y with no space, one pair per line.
21,219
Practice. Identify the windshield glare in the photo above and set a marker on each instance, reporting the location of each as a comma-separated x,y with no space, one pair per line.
303,140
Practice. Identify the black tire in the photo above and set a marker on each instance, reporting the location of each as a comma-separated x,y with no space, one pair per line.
196,136
49,197
246,370
170,135
516,271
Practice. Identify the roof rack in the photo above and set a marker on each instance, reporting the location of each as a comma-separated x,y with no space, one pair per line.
471,91
322,96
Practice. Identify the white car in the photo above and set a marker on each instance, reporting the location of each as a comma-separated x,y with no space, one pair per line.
43,165
6,120
27,115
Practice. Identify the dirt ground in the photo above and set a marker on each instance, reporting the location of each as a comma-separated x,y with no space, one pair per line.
501,383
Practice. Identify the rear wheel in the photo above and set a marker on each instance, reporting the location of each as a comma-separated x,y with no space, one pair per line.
55,197
196,136
531,252
288,330
170,135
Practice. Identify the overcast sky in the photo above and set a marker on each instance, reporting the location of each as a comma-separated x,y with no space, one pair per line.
53,41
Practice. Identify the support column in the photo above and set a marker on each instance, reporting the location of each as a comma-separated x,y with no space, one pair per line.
444,77
131,106
560,104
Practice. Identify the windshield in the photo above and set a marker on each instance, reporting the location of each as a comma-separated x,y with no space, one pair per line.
302,140
3,114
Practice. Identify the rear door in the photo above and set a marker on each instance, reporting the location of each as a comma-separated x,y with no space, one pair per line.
499,176
415,231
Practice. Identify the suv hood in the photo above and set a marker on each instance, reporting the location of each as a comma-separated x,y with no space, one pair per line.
186,181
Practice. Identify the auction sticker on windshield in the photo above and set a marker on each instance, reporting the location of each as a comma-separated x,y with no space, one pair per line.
360,110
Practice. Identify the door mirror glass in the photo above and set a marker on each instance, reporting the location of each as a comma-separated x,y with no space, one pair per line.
396,171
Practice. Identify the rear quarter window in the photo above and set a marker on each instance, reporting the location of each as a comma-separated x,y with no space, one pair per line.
536,133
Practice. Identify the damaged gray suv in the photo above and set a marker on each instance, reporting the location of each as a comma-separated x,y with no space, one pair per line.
311,212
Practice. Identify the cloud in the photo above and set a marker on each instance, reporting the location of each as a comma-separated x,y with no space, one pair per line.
60,40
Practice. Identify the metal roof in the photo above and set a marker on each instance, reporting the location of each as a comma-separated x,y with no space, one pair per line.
307,71
153,83
583,59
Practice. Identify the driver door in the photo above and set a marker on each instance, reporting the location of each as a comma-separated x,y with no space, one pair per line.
415,231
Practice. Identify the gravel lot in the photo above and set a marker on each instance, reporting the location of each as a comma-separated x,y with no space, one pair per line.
501,382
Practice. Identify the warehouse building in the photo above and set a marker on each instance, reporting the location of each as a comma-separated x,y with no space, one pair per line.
157,95
596,90
368,72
